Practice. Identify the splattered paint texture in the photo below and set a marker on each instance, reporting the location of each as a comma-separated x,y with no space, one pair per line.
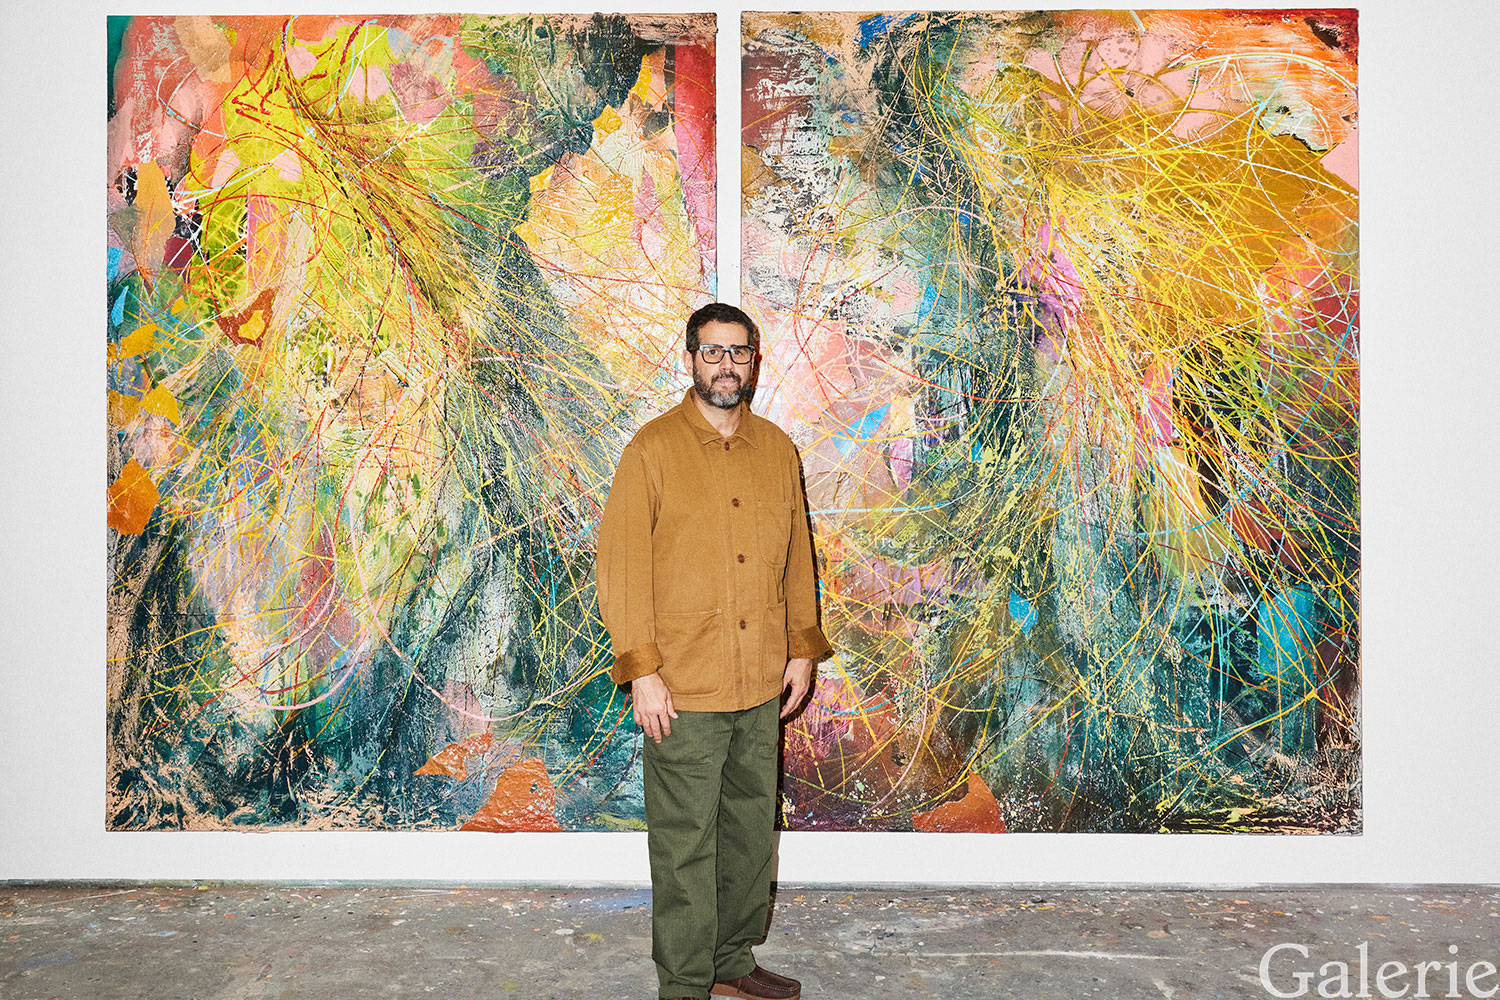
385,299
1063,312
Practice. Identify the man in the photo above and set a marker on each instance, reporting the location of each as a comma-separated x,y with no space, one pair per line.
705,580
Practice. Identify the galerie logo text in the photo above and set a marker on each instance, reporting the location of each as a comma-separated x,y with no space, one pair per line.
1285,973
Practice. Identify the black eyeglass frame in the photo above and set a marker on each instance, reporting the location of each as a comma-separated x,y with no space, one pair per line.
734,352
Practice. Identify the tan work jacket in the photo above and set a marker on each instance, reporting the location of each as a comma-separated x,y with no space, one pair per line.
705,566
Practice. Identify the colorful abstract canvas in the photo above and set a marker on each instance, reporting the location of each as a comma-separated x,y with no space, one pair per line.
386,297
1062,309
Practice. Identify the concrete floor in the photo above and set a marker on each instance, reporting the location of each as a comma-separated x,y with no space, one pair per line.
197,942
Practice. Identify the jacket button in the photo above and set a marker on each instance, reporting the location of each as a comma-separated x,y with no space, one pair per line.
726,445
741,557
735,501
742,623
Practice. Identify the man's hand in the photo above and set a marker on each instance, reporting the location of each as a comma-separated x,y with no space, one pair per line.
795,683
652,702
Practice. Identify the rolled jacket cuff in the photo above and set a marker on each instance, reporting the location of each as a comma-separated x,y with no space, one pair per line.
807,643
637,662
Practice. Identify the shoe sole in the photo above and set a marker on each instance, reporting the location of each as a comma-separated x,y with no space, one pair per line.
730,991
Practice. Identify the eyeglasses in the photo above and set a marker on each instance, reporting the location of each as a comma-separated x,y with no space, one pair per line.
714,353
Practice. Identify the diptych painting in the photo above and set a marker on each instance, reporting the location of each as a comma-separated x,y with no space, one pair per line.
1061,309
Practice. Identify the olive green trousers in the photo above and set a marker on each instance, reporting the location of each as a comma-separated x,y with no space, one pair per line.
710,809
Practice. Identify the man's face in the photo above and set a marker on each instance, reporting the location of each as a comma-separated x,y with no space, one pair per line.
721,384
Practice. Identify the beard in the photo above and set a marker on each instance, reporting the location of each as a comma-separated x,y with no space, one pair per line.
713,392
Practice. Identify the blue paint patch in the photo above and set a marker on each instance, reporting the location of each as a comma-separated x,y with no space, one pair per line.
38,961
875,27
860,431
1022,611
640,899
924,308
1287,625
112,269
117,313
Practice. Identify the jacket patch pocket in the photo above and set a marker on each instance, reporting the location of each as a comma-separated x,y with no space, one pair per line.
774,646
691,661
773,526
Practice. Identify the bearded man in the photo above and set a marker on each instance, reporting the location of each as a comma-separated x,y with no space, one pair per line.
706,585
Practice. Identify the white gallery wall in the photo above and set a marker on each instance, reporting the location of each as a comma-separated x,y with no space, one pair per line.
1430,360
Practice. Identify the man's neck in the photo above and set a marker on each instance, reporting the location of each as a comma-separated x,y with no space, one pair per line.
726,422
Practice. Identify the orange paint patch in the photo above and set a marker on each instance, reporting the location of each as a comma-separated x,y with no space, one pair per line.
976,812
132,498
523,801
453,760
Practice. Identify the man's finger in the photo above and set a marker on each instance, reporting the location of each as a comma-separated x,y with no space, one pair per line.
794,699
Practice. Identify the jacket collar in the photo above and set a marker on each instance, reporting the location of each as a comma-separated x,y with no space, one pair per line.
707,433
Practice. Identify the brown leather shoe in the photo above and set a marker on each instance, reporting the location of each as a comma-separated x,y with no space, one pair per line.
758,984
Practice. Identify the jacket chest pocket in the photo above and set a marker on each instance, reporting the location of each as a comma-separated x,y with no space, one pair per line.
773,528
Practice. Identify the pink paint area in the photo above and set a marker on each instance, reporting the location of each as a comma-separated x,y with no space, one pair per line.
300,60
1343,160
905,297
877,582
420,95
368,83
1111,72
648,225
693,126
1053,288
807,358
901,462
1155,426
265,226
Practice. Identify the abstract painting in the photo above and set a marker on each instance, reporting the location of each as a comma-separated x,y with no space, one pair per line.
1062,310
386,297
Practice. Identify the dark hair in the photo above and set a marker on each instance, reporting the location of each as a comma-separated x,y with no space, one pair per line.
719,312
